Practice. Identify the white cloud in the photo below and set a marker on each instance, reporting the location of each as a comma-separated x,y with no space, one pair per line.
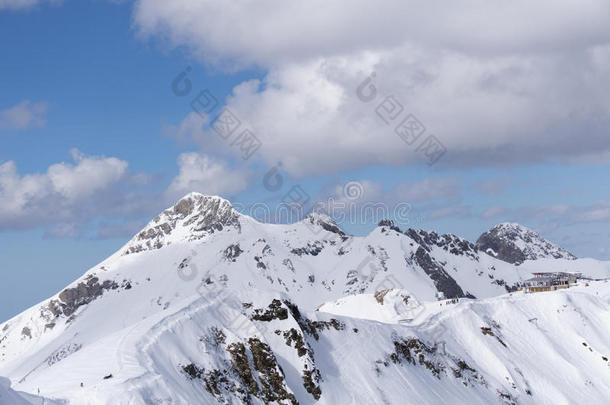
23,116
67,193
269,32
99,196
204,174
486,113
89,175
498,83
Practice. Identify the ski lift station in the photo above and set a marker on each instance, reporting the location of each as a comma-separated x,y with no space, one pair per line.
550,281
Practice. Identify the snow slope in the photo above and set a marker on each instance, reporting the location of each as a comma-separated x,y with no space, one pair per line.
10,397
206,305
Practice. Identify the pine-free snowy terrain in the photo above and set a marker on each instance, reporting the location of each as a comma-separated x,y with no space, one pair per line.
208,306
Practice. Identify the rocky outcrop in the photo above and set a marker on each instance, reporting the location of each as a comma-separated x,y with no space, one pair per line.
251,372
323,221
515,244
413,351
424,258
232,252
442,280
249,368
450,243
84,293
198,214
388,223
312,249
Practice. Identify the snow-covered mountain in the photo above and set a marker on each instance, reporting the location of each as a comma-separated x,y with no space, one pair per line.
515,244
206,306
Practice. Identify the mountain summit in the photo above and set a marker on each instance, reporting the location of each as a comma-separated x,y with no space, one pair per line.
514,243
192,217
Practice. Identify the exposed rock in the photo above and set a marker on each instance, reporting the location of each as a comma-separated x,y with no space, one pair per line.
414,350
311,382
450,243
274,311
250,371
242,366
288,264
294,337
193,371
379,295
259,263
201,215
514,244
489,332
327,325
26,332
71,299
325,222
388,223
312,249
270,374
312,327
417,353
443,281
311,375
232,252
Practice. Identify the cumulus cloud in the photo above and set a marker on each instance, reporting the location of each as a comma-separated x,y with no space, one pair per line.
66,194
531,90
204,174
268,32
23,116
99,196
89,175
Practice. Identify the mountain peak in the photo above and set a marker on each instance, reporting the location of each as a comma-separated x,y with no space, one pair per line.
515,243
389,224
193,217
199,203
323,220
507,226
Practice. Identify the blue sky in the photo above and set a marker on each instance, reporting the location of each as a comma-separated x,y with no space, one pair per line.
94,143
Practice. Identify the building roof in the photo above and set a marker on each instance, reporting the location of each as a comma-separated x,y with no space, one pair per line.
556,274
